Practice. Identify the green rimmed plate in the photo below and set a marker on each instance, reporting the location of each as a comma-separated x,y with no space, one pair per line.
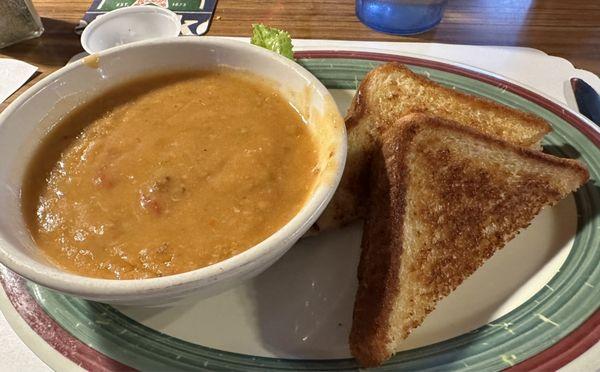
525,304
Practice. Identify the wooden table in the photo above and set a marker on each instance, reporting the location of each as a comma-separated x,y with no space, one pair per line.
569,29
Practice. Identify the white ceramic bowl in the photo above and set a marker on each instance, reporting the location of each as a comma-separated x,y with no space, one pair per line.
128,25
29,118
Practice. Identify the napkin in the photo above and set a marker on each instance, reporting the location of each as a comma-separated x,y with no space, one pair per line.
13,74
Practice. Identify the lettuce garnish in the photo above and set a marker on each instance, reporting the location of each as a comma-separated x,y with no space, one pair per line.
270,38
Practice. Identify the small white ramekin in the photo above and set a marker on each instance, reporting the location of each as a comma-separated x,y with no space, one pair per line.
127,25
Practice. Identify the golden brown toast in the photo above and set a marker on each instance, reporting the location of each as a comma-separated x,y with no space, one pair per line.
444,198
391,91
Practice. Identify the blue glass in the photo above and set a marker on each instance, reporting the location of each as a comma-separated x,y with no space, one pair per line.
400,17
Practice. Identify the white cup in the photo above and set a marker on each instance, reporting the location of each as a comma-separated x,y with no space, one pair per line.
128,25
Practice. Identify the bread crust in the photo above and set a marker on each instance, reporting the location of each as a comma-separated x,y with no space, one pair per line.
417,120
373,335
359,106
381,253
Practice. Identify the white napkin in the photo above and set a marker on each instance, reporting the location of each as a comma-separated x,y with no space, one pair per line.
13,74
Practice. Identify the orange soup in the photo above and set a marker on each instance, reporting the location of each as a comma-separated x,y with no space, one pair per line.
167,174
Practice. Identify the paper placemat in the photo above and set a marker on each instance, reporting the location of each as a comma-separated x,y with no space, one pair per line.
13,74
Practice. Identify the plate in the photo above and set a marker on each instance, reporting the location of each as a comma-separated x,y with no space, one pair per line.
534,304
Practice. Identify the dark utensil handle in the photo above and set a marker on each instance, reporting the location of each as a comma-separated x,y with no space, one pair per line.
588,100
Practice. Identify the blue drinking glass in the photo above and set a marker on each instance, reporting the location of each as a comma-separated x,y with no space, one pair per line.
400,17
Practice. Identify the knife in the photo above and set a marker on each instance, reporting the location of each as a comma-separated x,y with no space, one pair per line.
588,100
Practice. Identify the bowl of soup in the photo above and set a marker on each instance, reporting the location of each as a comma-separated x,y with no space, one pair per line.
161,169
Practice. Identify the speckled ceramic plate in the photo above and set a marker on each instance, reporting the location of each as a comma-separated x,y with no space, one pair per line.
534,304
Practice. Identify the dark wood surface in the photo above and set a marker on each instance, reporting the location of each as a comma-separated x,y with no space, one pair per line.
565,28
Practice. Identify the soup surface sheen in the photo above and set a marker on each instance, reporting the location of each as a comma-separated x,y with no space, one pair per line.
168,173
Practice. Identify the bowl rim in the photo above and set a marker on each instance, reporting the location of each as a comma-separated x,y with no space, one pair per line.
99,21
90,287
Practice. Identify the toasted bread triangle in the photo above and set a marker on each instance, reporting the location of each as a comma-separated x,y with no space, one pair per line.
444,198
391,91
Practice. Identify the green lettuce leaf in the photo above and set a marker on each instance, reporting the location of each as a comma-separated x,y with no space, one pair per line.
278,41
